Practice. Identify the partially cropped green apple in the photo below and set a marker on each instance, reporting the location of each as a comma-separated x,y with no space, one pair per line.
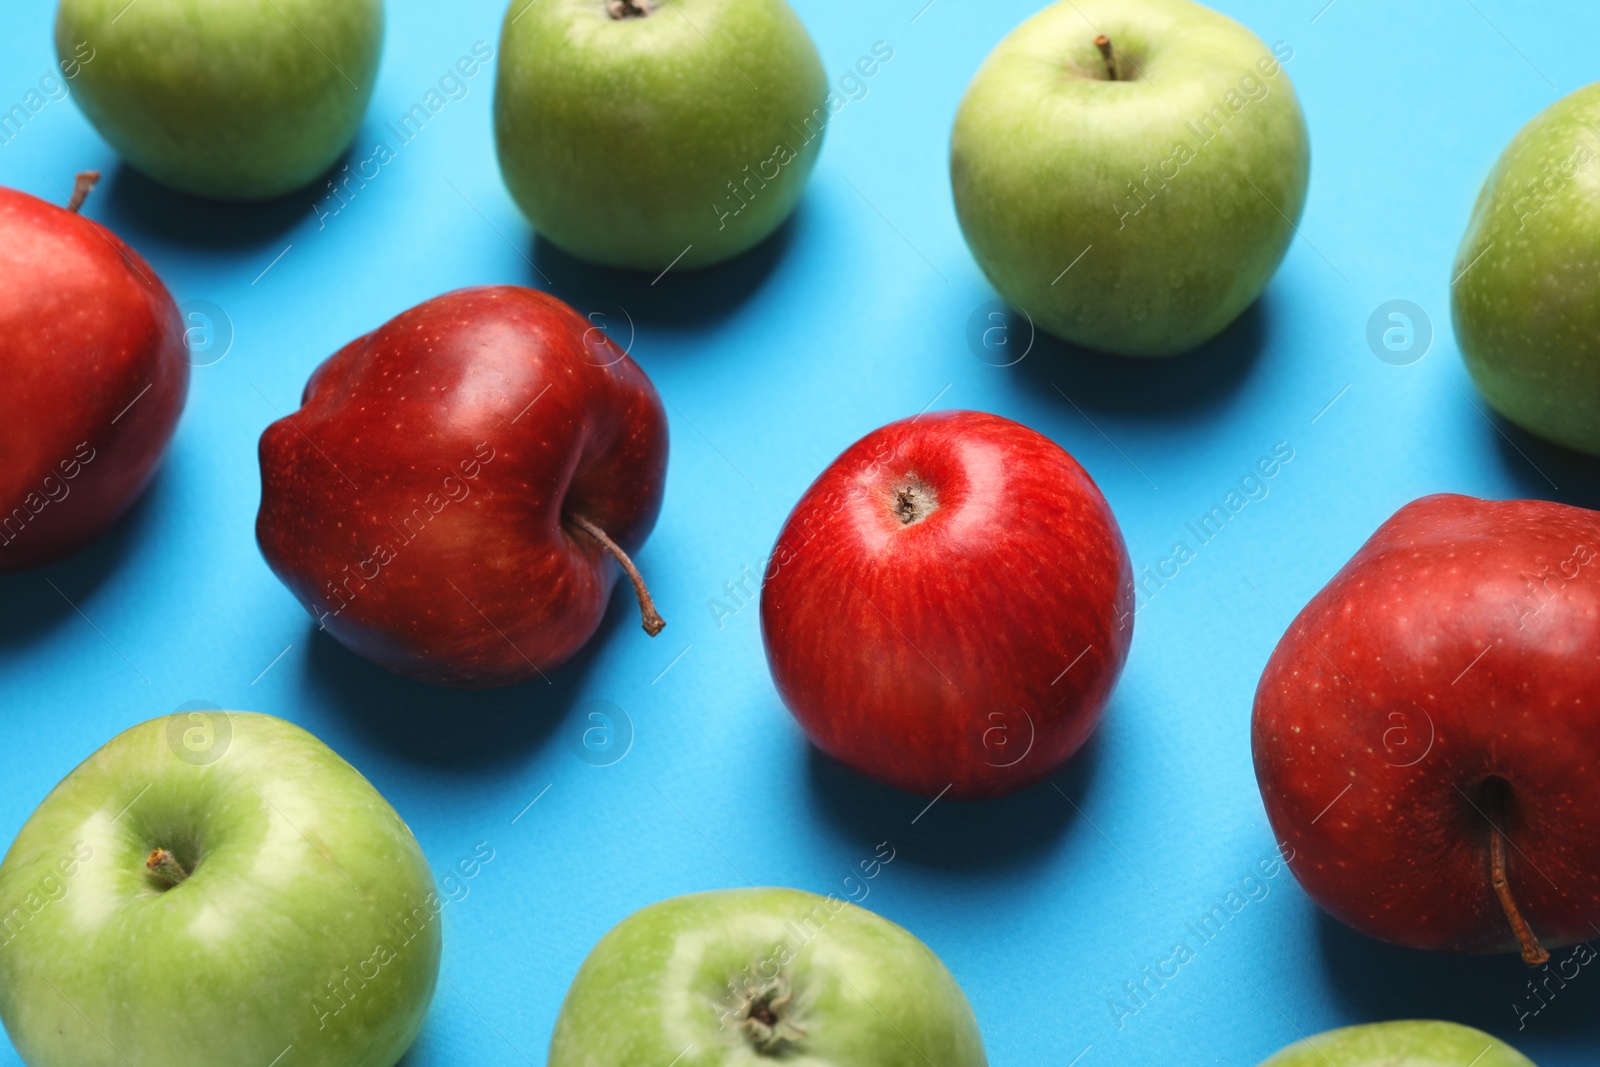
745,976
1130,172
645,134
1408,1043
222,98
1526,292
215,888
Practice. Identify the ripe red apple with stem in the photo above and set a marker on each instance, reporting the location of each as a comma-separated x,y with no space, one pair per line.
461,487
1427,734
949,606
92,355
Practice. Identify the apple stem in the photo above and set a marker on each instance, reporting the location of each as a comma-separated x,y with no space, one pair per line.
628,9
1533,953
165,866
653,622
82,186
1103,43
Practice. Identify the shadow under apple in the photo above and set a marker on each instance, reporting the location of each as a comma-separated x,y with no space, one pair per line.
140,203
29,608
1534,464
677,298
1197,381
1377,981
460,729
991,836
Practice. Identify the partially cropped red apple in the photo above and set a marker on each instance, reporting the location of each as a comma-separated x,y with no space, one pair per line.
949,606
93,377
460,488
1427,734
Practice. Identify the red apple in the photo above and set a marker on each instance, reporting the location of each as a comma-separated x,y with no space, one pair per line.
949,606
1427,734
456,493
95,376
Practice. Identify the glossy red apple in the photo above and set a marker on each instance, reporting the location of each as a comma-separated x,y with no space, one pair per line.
456,493
1427,734
949,606
94,377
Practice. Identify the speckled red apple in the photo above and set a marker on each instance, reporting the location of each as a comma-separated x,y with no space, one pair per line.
454,496
949,606
1427,734
94,372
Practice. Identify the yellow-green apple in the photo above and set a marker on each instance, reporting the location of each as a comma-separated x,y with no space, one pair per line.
1403,1043
747,976
236,101
646,134
1526,296
215,887
1130,172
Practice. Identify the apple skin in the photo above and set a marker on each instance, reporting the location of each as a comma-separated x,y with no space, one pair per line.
1526,304
1047,154
935,654
667,985
619,137
298,869
222,99
452,447
1460,644
1403,1043
86,330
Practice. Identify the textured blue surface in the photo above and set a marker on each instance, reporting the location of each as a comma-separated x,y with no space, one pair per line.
1043,905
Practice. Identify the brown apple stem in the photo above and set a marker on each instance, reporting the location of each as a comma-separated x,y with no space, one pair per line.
82,186
1103,43
653,622
1533,953
628,9
165,866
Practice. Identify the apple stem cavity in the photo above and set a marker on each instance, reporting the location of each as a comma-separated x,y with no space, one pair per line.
628,9
82,186
761,1016
653,622
913,500
1103,43
1496,794
165,866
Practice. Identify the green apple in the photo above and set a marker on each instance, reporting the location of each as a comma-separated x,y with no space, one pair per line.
215,888
1408,1043
644,134
747,975
1132,193
231,99
1526,296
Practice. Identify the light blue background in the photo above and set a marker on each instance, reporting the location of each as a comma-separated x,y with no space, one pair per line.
1043,905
